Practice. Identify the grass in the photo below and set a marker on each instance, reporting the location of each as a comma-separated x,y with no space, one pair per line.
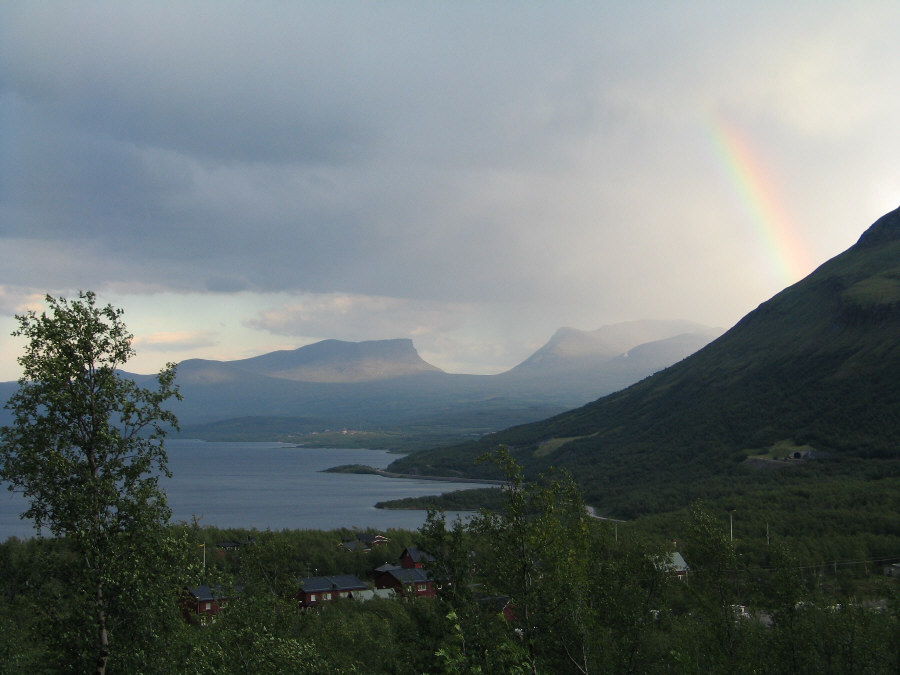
780,450
554,444
883,289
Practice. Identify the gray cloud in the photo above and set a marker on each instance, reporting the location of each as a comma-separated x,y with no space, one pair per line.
437,154
174,341
360,317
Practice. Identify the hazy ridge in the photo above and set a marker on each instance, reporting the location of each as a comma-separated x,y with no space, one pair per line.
385,384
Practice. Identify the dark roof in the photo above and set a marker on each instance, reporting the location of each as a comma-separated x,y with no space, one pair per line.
387,567
354,546
205,593
412,575
417,555
340,582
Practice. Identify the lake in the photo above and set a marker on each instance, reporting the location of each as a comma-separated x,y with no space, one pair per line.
272,486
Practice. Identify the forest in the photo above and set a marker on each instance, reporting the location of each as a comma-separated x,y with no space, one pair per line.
535,586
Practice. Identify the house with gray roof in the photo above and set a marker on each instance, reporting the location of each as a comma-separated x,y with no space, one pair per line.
316,590
674,563
408,582
203,603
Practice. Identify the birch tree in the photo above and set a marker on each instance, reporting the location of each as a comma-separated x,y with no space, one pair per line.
86,450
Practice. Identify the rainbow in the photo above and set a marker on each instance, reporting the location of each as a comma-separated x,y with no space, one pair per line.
787,255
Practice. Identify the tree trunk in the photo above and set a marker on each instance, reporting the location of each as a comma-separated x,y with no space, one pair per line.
102,637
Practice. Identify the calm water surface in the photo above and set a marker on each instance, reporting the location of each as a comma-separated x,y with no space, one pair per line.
271,486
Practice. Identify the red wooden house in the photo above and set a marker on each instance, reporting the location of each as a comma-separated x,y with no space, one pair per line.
203,603
316,590
413,558
410,582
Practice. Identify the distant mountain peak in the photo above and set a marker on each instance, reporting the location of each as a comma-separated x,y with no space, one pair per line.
607,342
340,361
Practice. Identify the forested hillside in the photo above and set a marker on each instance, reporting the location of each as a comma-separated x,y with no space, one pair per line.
815,371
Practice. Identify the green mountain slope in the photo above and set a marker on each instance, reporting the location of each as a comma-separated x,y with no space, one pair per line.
816,367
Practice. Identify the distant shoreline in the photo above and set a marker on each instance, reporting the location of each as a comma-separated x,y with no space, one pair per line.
356,468
445,479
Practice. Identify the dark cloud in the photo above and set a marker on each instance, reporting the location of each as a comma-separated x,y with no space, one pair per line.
225,284
442,153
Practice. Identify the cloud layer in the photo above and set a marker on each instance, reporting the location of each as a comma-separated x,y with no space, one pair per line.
451,170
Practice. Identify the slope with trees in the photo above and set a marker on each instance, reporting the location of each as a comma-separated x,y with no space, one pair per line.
817,367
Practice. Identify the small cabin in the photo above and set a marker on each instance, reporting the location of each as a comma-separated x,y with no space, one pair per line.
413,558
316,590
202,604
408,582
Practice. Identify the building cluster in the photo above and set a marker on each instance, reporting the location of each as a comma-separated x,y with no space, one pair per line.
408,578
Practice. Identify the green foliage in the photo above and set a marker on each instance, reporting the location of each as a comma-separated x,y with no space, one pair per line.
539,558
580,601
456,656
46,611
84,448
352,468
606,601
250,638
591,596
457,500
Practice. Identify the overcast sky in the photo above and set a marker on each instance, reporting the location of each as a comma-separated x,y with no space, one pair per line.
243,177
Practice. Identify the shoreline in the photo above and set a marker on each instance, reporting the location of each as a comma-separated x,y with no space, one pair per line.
365,469
444,479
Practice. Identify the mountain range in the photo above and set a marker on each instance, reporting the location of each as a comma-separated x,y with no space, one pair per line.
385,385
814,372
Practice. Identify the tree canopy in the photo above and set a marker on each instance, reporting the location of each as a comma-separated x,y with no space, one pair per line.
86,449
